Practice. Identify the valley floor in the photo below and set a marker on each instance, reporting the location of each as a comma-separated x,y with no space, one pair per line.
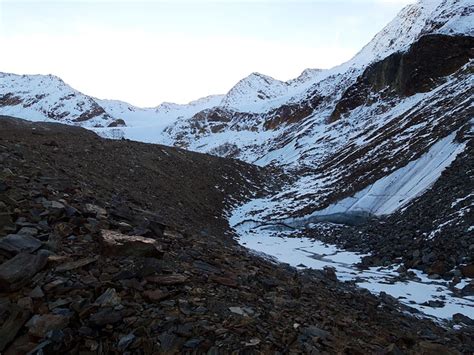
118,246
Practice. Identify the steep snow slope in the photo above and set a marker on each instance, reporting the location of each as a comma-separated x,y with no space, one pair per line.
395,190
426,16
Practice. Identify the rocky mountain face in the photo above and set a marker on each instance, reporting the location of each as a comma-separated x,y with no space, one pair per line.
94,259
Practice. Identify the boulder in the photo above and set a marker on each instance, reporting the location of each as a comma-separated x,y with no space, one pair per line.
468,270
155,295
94,211
108,298
115,243
16,243
18,271
40,325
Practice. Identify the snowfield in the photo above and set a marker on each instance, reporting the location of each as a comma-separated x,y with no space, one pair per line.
310,253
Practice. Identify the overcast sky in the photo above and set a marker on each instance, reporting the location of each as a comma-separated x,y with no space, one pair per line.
147,52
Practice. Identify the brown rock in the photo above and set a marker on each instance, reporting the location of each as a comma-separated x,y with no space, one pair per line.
168,279
40,325
155,295
429,348
226,281
63,229
106,316
438,268
6,221
21,345
114,243
468,270
25,303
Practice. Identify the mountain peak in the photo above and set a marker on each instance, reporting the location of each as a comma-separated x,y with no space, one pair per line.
253,91
415,20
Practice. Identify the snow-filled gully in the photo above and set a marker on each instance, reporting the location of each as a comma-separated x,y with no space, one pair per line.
432,298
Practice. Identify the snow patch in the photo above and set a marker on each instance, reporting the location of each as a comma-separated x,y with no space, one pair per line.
310,253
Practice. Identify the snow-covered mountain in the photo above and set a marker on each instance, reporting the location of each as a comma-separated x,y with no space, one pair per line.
338,131
358,122
49,98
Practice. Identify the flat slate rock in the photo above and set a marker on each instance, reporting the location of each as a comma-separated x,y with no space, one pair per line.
71,265
17,243
17,271
12,325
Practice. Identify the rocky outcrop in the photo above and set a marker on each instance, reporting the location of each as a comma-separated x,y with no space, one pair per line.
9,99
95,111
117,123
417,70
291,113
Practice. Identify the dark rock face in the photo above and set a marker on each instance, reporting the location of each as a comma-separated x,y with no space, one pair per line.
10,100
17,243
95,111
117,123
292,113
417,70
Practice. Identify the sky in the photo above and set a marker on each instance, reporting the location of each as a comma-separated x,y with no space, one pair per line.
148,52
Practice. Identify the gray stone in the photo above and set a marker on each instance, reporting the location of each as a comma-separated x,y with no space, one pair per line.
125,341
18,271
95,210
313,331
108,298
37,292
28,231
16,243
